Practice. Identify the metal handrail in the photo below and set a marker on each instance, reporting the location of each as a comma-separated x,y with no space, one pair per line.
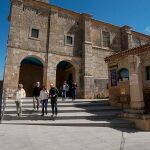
2,104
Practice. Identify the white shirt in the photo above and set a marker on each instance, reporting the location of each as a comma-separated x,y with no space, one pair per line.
43,95
20,94
64,87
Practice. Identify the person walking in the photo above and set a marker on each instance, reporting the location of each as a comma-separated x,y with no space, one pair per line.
74,90
19,95
44,100
65,89
53,94
36,94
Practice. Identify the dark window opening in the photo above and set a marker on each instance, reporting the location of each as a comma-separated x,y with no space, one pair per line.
35,33
69,40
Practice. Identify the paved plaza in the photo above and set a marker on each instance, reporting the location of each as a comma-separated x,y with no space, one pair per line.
35,137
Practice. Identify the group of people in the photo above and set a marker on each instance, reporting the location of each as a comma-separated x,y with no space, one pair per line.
41,95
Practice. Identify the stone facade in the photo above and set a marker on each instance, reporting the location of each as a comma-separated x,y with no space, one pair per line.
54,25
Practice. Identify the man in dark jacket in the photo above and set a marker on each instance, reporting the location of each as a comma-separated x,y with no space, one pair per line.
53,94
36,95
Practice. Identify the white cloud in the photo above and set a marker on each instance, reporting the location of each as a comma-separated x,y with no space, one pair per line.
147,30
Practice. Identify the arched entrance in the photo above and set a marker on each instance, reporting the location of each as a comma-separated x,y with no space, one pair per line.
31,71
65,72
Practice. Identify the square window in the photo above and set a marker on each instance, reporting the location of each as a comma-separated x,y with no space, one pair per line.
106,39
69,40
35,33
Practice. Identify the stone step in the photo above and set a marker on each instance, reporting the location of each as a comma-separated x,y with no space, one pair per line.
96,113
77,105
61,116
106,101
12,110
63,111
114,123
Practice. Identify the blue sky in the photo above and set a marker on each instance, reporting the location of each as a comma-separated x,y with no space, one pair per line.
134,13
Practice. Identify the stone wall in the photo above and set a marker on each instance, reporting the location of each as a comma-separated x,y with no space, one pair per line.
100,72
61,25
97,37
139,39
23,18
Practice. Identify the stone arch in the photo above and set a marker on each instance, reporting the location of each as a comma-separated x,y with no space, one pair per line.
65,71
33,56
31,71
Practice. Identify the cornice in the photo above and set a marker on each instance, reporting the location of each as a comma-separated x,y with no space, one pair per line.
101,23
51,7
133,51
141,35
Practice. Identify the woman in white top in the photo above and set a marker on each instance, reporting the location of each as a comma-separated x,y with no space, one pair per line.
19,95
44,99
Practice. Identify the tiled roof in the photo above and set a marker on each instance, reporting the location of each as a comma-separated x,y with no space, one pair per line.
132,51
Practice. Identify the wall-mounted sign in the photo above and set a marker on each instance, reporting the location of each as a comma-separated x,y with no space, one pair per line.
113,75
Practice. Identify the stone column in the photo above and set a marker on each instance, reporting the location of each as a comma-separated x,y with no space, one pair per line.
51,71
136,86
87,60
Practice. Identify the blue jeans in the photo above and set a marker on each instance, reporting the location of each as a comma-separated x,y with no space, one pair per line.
74,93
64,94
44,106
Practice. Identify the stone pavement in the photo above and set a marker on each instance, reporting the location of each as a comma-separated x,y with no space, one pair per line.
35,137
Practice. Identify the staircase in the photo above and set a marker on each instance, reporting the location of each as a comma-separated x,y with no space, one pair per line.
96,113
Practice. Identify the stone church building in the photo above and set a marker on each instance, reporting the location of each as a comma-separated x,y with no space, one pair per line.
50,44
